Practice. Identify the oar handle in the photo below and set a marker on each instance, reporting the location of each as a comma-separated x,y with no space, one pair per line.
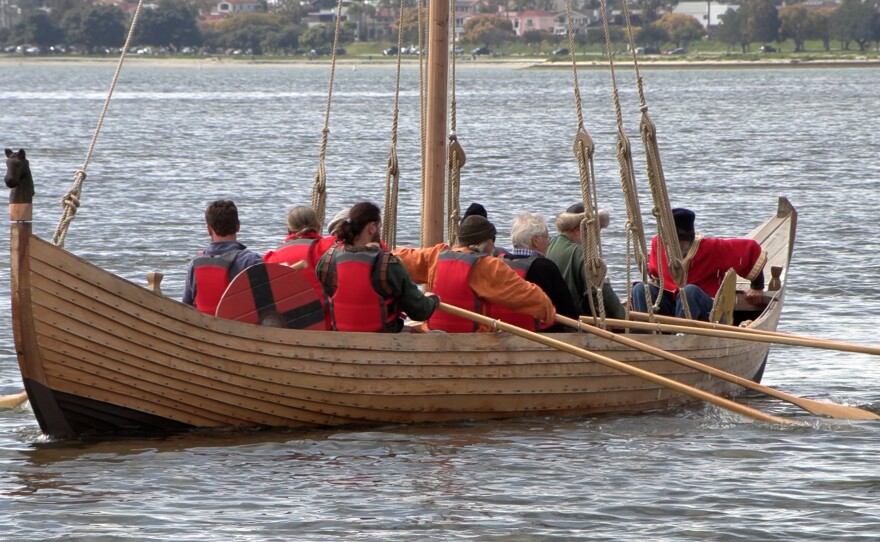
620,366
694,327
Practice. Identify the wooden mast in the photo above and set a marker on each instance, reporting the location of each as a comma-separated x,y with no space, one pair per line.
435,136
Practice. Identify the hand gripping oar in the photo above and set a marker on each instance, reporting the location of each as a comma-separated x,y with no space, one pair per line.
842,412
695,327
614,364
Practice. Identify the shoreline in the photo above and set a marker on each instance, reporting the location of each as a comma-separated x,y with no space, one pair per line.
465,63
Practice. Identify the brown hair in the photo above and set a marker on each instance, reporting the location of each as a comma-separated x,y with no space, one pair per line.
222,216
360,215
302,219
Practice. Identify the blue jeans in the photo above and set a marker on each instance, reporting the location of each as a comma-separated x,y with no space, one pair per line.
699,301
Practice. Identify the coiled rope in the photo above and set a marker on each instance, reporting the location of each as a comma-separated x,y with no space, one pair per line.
71,201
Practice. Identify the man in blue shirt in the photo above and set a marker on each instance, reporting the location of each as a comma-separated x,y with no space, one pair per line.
211,271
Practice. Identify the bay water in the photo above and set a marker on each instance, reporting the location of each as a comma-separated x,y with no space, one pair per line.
177,136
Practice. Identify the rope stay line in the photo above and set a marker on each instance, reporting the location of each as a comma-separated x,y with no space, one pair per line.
392,170
455,156
319,189
71,201
636,244
594,266
662,209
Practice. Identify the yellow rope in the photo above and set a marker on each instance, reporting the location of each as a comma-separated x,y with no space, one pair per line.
319,190
71,201
392,171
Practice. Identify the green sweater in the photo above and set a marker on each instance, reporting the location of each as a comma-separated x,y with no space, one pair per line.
569,256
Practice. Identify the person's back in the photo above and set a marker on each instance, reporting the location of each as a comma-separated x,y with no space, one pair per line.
211,271
530,238
468,277
366,286
567,253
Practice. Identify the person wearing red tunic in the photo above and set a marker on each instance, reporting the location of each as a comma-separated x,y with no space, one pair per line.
707,260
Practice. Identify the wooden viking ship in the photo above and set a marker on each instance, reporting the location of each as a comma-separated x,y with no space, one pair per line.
101,354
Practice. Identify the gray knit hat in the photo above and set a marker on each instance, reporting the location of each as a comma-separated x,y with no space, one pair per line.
337,218
475,229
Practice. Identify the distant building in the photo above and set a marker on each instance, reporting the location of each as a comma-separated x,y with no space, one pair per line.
707,14
235,7
529,20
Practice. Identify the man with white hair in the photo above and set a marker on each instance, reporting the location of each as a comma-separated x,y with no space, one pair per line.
530,239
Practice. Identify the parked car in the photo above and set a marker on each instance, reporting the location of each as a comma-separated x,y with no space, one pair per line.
647,51
481,51
678,51
560,52
767,49
390,51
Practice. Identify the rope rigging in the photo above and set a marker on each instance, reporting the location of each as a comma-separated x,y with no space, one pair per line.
662,210
636,245
455,157
319,189
392,171
595,268
71,201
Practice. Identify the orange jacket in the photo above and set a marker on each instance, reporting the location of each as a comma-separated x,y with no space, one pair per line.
492,279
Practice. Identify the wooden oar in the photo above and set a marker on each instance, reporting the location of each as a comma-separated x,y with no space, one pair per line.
13,400
614,364
694,327
842,412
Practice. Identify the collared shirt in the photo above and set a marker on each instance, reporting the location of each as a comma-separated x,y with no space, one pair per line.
525,252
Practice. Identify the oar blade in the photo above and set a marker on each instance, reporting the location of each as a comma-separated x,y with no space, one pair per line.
833,410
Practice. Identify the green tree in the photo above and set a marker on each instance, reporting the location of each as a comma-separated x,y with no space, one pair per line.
732,29
533,38
762,21
38,29
488,30
95,26
855,21
682,29
259,32
820,26
795,25
651,34
360,14
322,36
171,24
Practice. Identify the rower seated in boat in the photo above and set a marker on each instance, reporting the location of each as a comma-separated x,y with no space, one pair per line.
468,277
530,238
211,271
707,260
567,252
366,287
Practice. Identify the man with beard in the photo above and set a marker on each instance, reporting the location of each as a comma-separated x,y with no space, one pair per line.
469,277
366,286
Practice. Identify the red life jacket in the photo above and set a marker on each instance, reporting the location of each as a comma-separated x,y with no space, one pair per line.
366,302
296,250
211,277
521,267
451,284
